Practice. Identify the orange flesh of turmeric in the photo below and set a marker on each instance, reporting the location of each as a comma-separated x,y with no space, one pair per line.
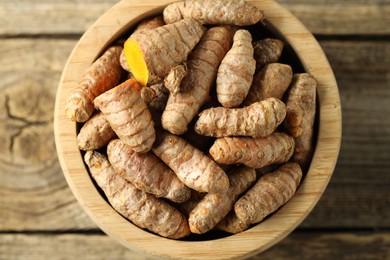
136,61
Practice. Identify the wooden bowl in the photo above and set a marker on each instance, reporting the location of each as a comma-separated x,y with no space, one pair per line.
119,20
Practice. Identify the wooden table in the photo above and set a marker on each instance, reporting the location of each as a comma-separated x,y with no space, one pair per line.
39,216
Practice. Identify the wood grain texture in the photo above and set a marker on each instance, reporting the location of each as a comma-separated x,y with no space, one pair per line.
33,192
300,245
50,17
359,186
70,17
342,17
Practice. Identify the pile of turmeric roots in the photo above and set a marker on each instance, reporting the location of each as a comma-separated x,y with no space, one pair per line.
191,125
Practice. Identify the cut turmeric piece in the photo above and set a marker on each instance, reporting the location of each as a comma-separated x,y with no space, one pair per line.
146,24
223,12
195,87
152,53
193,167
128,115
301,109
269,193
235,74
213,207
141,208
253,152
257,120
101,76
146,172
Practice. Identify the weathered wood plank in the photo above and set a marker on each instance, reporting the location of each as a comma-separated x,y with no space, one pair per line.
331,245
299,245
25,17
50,17
342,18
34,194
358,194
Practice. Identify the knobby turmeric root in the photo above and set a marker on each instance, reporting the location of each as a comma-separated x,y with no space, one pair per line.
95,133
213,207
257,120
267,51
101,76
141,208
228,12
155,97
272,81
202,67
148,95
269,193
301,109
187,206
152,53
123,62
235,74
146,24
146,172
253,152
128,115
193,167
232,224
173,80
161,98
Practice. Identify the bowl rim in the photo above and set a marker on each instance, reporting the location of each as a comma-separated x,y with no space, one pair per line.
115,22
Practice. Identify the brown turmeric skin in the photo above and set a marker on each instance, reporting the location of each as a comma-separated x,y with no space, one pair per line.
142,209
232,224
173,80
195,87
193,167
272,81
128,115
101,76
187,206
267,51
235,74
146,172
301,109
269,193
161,98
152,53
213,207
253,152
257,120
95,133
225,12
